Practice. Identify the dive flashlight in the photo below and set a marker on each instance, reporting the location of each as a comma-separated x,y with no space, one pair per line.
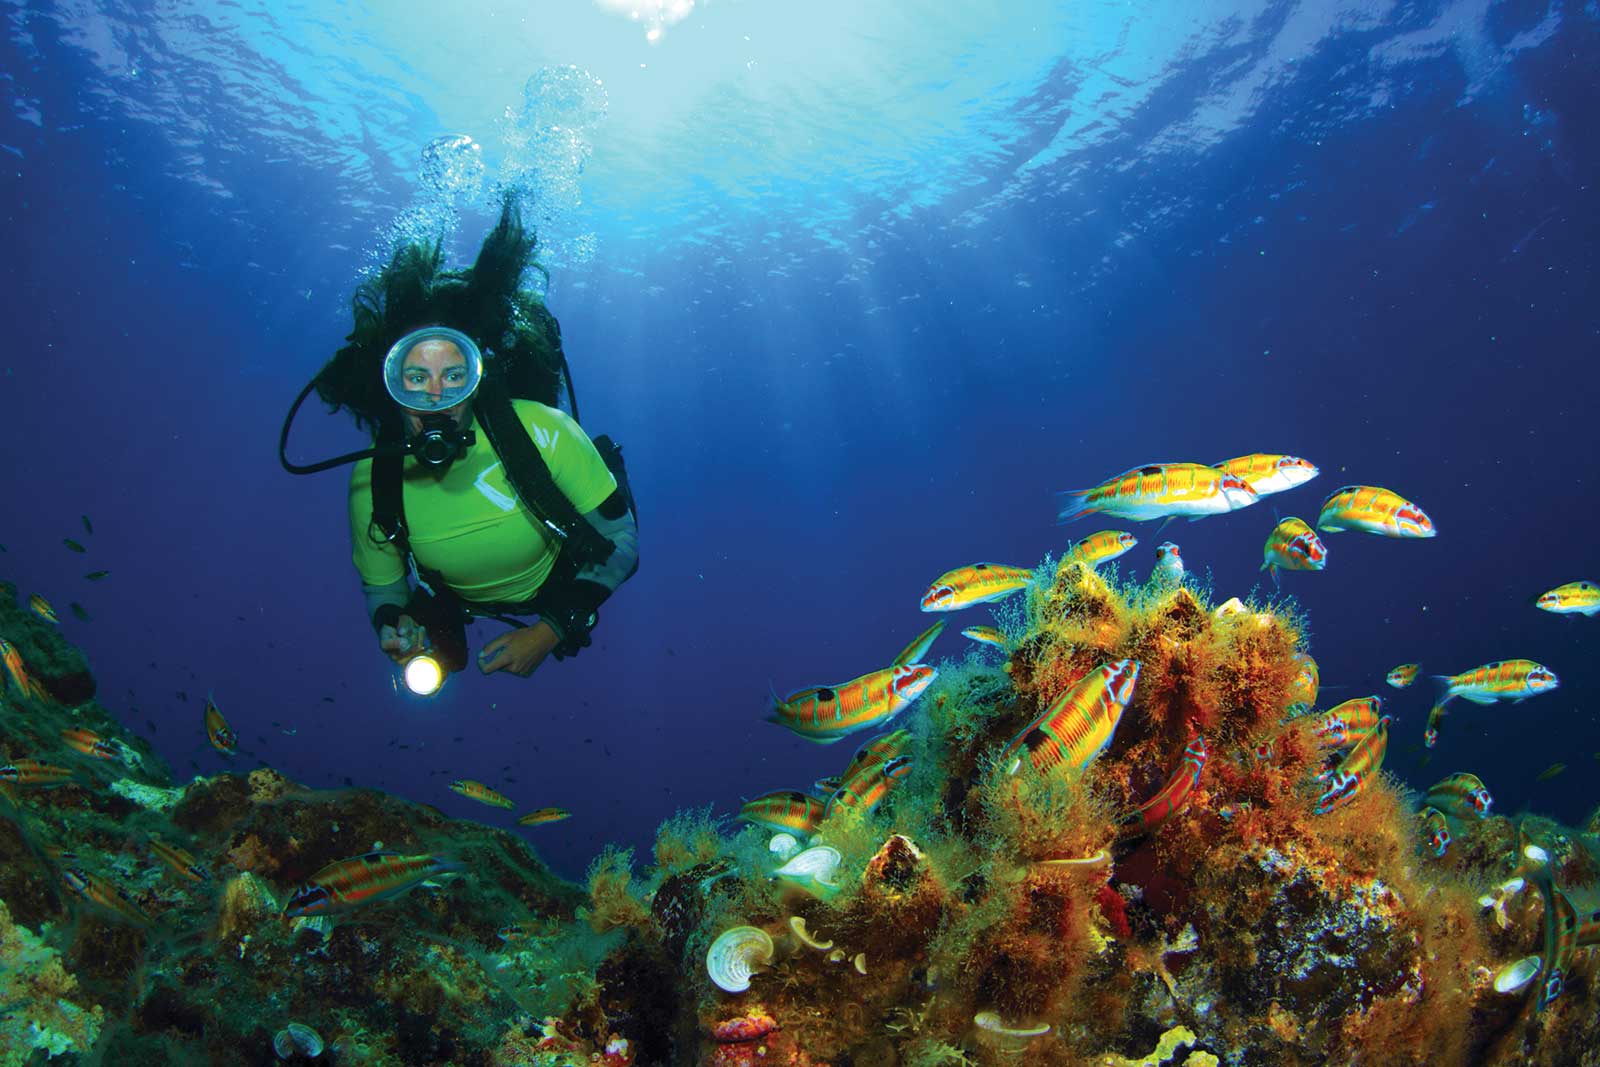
423,674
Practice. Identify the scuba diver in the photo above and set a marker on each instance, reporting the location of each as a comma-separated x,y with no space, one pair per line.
480,496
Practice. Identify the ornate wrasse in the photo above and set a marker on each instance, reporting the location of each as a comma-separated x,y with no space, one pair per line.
1078,724
1268,472
1373,509
1099,548
786,809
1159,490
977,583
363,879
1574,598
1508,679
918,648
825,714
1460,794
1293,546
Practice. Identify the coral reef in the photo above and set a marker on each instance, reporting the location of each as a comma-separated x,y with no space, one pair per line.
1175,899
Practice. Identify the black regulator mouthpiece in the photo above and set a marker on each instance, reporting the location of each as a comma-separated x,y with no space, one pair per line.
440,442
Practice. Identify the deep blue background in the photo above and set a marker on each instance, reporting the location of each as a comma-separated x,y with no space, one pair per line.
1408,300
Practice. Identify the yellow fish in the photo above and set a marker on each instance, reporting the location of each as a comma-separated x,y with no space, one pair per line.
544,815
12,660
1294,546
988,635
41,607
914,652
1100,548
31,773
102,893
787,809
1512,679
1374,510
1270,473
825,713
1078,724
474,790
1402,676
979,583
1574,598
1159,491
90,744
181,863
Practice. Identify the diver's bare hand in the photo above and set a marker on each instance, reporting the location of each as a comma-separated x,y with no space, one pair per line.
404,639
518,651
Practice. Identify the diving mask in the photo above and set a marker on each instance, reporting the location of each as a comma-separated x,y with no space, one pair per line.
424,374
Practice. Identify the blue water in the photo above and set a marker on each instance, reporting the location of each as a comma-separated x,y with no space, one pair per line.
858,292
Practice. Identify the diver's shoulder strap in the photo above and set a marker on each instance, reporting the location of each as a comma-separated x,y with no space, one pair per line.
531,480
388,501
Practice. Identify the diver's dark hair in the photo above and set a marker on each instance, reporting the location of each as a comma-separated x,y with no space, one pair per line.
520,339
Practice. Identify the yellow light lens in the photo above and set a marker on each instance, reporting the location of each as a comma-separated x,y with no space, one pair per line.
423,676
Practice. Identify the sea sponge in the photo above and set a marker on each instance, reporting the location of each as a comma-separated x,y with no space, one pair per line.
43,1008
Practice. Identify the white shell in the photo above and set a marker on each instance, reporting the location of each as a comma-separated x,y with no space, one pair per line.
735,955
818,863
783,845
1513,977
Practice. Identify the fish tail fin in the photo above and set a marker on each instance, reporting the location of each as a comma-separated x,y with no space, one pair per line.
1073,504
1272,570
1442,685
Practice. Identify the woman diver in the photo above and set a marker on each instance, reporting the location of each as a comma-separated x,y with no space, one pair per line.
480,496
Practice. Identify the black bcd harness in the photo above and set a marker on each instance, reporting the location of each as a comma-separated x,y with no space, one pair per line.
581,545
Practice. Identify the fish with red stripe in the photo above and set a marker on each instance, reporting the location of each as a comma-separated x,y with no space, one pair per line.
1347,781
35,774
825,714
1375,510
787,809
1099,548
1345,724
865,786
101,893
1293,546
90,744
1435,829
1173,797
179,861
1160,491
366,879
1460,794
1269,472
222,738
1078,724
976,583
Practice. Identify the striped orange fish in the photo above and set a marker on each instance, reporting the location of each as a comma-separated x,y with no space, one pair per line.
1303,690
824,714
41,607
475,790
1293,546
978,583
786,809
1099,548
865,786
90,744
1158,491
544,815
1402,676
1347,723
1560,937
103,894
1268,472
1435,829
1374,510
914,652
1078,725
1430,733
1461,794
1511,679
987,635
1172,797
32,774
1363,762
365,879
1574,598
181,863
11,659
217,732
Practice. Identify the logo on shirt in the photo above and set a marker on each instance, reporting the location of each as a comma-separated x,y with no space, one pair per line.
503,501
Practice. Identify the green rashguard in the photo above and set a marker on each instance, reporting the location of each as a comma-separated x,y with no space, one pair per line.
468,525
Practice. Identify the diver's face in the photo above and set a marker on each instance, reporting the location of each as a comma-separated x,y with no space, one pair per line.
431,367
